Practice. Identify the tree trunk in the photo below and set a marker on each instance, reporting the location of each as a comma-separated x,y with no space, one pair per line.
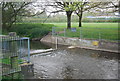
80,19
69,13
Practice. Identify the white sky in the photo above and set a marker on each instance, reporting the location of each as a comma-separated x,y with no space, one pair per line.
50,9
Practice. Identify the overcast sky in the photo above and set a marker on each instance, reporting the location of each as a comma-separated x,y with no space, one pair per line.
39,5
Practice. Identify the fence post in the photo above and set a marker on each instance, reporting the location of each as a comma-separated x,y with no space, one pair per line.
80,32
64,32
56,41
99,35
28,50
52,30
19,55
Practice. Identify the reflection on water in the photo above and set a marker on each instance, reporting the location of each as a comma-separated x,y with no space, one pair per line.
75,63
38,45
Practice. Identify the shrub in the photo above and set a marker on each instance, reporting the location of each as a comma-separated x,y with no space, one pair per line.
32,30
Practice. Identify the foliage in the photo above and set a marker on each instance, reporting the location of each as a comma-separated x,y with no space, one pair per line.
101,20
70,6
32,30
13,11
79,7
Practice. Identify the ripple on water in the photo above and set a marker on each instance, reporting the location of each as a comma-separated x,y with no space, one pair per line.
75,64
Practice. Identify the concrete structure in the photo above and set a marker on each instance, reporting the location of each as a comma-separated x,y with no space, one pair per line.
83,43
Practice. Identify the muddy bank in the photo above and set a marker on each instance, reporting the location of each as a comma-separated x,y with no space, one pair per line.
101,45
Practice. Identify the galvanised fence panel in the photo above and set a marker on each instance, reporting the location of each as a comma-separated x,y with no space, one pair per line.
110,34
15,50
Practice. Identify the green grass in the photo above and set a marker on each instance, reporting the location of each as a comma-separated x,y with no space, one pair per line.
107,31
7,61
15,65
94,25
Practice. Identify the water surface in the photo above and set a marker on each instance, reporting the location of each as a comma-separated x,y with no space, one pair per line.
75,63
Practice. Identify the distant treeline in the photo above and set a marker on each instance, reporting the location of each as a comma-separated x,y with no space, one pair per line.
62,18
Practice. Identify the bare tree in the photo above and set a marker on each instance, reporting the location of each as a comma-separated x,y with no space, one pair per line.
62,6
85,6
12,11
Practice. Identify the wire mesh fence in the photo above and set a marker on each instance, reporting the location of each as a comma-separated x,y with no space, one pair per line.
88,33
15,50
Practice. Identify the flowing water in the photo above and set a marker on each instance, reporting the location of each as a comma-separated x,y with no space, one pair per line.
73,63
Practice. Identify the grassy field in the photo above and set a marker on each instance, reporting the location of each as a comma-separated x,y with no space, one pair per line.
94,25
107,31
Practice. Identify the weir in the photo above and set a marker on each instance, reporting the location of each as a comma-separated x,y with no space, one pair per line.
82,38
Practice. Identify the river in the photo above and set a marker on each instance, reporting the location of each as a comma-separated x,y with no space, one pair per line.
73,63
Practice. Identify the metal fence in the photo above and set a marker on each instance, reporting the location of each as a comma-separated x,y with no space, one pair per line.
15,50
88,33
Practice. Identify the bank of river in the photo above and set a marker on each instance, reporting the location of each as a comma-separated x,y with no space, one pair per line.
101,45
74,63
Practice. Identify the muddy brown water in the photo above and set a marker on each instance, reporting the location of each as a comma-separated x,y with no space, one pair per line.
75,63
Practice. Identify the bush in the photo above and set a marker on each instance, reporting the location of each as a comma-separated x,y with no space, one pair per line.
32,30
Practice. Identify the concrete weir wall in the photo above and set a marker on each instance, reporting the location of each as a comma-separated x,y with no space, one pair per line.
82,43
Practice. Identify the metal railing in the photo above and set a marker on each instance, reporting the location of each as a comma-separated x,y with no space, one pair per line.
15,50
